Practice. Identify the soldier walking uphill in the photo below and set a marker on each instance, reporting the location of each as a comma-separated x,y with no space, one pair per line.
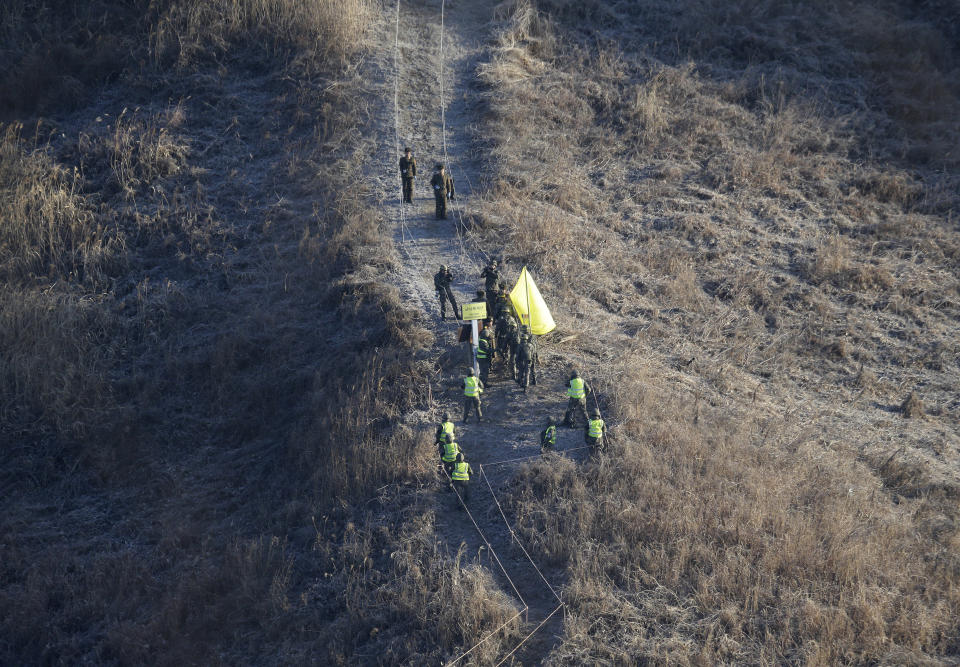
449,449
441,281
472,388
445,428
408,170
577,391
461,478
442,184
595,432
548,437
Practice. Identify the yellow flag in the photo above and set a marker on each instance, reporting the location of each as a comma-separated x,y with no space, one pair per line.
530,306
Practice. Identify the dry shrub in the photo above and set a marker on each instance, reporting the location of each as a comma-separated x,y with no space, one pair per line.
49,226
138,150
189,32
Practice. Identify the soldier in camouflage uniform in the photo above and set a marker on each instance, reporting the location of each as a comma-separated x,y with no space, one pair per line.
491,276
441,281
442,184
408,170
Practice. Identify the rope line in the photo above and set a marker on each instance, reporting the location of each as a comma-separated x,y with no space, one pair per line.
396,112
532,632
490,548
532,456
489,635
513,534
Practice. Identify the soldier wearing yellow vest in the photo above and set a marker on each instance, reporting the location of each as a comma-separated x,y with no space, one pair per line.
577,390
595,432
548,437
449,450
472,388
446,427
461,477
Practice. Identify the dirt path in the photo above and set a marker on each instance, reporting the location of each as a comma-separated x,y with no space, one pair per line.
512,419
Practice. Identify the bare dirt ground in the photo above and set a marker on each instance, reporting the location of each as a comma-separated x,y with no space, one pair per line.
512,419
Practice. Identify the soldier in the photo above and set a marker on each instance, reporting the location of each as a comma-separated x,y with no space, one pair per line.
449,449
441,281
442,184
502,332
548,436
534,354
594,433
408,170
513,343
524,361
472,388
446,427
577,391
501,303
485,353
461,478
491,276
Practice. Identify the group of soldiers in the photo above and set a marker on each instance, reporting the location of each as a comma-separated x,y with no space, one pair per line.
504,338
441,183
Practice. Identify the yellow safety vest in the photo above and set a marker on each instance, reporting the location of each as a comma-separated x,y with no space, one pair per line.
447,427
461,471
471,386
596,428
576,390
450,451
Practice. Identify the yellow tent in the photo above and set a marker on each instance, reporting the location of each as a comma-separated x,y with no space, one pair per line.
530,306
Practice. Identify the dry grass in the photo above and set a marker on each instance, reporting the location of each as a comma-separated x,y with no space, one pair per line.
756,263
324,29
209,450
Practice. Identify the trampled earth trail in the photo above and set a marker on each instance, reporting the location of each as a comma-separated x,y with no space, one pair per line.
512,419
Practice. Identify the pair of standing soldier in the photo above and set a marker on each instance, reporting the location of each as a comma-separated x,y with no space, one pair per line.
441,182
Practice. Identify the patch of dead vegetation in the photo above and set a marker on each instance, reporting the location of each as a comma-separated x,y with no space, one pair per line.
773,249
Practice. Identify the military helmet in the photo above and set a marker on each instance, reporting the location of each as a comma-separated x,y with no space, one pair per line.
446,416
459,457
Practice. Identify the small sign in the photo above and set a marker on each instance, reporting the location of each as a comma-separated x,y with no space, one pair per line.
475,311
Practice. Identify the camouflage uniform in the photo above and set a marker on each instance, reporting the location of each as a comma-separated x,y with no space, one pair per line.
441,281
442,184
524,362
408,170
491,276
